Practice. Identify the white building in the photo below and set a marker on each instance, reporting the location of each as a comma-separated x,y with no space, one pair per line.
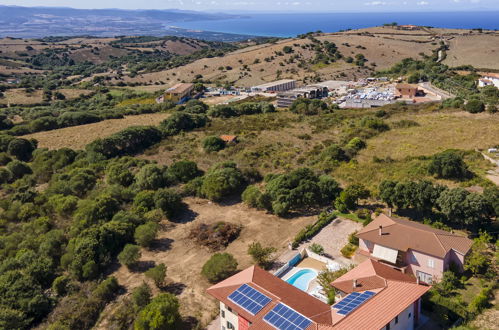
275,86
489,79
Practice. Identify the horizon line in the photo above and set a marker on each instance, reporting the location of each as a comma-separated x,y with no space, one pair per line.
251,11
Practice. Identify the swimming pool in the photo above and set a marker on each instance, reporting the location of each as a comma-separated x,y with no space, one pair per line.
302,278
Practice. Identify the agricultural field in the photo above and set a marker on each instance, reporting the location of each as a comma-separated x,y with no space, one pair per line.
21,97
77,137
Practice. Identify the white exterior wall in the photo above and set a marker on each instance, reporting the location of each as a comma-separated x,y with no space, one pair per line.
405,320
229,317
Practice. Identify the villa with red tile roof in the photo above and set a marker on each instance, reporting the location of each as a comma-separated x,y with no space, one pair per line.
370,296
413,247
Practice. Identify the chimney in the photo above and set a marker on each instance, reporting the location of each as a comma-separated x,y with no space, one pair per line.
354,284
390,212
417,280
380,230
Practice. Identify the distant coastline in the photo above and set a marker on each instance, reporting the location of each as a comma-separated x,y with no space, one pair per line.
292,24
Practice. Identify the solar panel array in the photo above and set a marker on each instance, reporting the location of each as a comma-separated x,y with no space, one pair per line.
284,318
352,301
249,299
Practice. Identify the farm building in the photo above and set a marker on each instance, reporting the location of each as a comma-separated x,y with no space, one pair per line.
489,79
407,91
276,86
284,100
179,93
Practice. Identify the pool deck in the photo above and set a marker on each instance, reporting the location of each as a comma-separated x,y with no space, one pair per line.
311,263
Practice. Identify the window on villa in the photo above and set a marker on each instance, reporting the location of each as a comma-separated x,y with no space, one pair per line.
222,313
431,263
410,314
388,326
396,319
229,325
229,309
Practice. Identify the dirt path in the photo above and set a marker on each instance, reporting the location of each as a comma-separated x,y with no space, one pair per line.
77,137
185,259
493,175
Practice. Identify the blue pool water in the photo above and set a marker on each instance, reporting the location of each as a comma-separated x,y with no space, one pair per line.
302,278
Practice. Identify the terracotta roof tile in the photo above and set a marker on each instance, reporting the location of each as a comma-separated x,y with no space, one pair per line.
276,289
394,293
403,235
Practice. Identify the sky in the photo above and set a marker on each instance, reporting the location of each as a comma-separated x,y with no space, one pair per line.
272,5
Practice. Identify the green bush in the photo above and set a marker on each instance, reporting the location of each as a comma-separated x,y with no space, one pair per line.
298,190
144,201
141,296
213,144
219,267
474,106
5,175
160,314
168,201
145,234
157,274
4,159
182,121
222,181
263,256
316,248
308,107
60,285
151,177
129,141
130,255
18,169
183,171
22,149
448,165
348,250
480,302
251,196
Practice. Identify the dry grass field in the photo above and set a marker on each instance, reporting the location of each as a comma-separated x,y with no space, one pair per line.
382,45
437,132
77,137
185,259
19,95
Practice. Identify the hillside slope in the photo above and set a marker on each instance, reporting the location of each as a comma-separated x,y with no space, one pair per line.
382,46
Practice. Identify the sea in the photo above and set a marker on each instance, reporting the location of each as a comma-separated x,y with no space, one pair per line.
293,24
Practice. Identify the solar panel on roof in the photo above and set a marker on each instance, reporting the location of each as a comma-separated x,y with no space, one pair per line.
249,299
352,301
283,317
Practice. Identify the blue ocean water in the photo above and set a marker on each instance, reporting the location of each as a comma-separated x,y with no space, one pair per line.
290,25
